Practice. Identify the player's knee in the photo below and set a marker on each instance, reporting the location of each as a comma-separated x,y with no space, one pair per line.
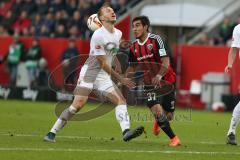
170,116
79,102
161,119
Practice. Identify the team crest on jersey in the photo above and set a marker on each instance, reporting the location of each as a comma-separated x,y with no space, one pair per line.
150,46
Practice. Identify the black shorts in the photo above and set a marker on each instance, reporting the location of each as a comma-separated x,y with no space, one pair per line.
167,100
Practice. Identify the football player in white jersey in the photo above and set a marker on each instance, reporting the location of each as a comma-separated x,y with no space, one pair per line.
95,75
233,52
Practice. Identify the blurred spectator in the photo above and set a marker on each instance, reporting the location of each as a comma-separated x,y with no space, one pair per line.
43,73
71,7
69,63
36,25
5,5
237,21
32,57
57,5
29,6
226,29
49,22
44,32
60,18
17,7
47,15
8,21
61,32
3,31
204,40
94,6
120,7
32,32
76,20
15,54
84,5
23,22
74,32
26,32
85,32
42,7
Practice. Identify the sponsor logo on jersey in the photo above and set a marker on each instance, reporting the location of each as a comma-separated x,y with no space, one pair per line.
145,57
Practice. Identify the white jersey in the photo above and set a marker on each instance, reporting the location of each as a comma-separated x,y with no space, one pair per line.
236,37
102,43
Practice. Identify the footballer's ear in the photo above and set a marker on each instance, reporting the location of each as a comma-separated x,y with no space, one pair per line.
145,28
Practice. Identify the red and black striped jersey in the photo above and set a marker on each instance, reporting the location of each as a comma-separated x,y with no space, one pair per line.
148,55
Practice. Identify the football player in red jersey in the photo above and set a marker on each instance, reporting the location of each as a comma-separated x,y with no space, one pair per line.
148,52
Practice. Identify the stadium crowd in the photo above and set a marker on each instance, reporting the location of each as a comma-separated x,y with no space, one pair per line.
223,35
68,18
51,18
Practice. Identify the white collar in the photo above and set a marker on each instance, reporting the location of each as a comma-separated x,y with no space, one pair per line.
143,41
108,31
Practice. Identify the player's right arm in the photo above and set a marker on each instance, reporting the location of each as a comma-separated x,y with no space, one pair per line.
231,57
234,48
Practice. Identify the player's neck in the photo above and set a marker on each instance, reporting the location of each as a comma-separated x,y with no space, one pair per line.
143,37
109,27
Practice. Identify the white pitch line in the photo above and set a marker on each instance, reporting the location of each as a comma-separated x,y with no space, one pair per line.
99,138
68,137
214,143
116,151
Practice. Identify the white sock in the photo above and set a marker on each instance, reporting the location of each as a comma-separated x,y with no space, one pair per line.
235,119
122,117
64,117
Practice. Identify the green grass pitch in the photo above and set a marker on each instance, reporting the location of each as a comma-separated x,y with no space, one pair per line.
23,125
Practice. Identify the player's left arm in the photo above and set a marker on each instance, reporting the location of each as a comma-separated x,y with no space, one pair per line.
165,61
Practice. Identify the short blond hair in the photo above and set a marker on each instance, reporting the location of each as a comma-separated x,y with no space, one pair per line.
99,13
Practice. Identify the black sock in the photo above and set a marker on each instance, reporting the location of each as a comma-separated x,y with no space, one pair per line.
165,126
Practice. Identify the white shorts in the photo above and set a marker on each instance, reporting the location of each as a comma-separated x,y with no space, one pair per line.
103,82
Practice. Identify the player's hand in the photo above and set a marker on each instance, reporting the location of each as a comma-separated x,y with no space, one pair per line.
156,80
228,68
128,82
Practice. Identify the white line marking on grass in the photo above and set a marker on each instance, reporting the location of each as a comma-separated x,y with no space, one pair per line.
116,151
215,143
68,137
98,138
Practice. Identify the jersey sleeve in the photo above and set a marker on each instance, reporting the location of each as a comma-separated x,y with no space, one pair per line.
161,51
236,37
97,45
